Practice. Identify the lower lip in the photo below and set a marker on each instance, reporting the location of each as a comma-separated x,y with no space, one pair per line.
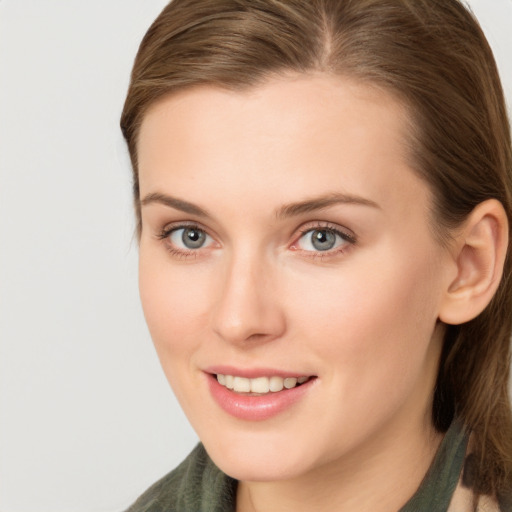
256,408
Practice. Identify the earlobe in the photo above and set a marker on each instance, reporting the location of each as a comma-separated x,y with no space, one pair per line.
479,253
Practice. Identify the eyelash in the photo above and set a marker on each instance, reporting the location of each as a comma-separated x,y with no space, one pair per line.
317,226
349,238
179,253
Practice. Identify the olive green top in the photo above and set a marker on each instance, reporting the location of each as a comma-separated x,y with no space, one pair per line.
197,485
440,482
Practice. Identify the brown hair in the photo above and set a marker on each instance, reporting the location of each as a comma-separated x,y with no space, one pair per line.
433,55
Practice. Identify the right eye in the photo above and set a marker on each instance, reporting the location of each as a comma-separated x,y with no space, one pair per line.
187,238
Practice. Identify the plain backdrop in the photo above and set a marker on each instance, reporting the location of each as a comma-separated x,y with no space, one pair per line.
87,420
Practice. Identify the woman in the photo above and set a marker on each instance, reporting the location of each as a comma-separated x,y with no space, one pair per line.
323,192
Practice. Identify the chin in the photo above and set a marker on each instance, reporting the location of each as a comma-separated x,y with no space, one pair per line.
265,469
259,458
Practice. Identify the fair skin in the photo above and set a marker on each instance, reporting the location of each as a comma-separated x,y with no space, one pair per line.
355,310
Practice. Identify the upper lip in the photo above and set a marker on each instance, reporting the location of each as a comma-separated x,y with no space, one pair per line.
253,373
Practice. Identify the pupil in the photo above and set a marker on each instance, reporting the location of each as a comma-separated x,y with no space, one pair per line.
193,238
323,240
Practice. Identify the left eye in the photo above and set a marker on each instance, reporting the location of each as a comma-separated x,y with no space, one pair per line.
322,240
189,238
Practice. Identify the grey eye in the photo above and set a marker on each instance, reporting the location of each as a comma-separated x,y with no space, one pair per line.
321,240
189,238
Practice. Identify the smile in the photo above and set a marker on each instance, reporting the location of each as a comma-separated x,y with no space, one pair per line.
258,397
259,385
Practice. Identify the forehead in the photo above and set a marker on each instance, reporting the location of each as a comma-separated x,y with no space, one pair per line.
317,98
293,136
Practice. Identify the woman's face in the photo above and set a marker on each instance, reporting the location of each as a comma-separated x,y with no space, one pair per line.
286,237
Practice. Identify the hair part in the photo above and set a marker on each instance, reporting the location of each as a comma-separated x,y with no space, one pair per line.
434,57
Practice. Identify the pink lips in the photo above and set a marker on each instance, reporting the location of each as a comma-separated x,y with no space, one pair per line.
251,373
255,408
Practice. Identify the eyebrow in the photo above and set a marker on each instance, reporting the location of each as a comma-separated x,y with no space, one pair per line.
322,202
288,210
173,202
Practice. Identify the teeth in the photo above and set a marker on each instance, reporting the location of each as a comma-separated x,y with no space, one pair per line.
229,381
241,385
290,382
276,384
260,385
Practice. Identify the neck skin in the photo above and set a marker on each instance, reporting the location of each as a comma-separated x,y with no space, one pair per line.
381,478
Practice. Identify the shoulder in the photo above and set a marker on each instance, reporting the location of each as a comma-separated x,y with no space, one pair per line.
196,484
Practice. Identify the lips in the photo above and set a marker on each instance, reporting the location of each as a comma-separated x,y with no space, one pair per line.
257,395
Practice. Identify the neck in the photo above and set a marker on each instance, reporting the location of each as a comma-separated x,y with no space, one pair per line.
381,477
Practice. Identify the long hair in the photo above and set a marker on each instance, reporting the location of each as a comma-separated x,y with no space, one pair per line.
433,56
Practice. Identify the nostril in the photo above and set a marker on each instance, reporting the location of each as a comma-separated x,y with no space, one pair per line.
256,337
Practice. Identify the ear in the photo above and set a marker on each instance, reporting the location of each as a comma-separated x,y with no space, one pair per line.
479,253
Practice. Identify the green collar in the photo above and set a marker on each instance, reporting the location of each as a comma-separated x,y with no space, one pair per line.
440,482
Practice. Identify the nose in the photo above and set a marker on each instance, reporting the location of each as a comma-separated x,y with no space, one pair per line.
248,306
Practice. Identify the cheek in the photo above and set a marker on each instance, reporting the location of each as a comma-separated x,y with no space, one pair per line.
173,300
373,321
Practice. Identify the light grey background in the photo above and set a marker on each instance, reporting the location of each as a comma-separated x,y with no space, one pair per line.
87,421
